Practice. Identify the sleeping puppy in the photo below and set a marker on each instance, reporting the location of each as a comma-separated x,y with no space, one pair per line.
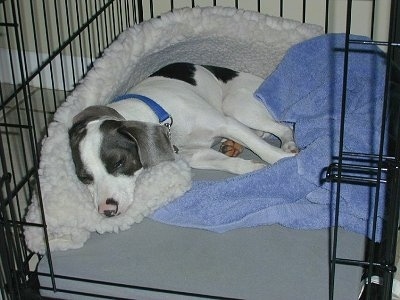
184,108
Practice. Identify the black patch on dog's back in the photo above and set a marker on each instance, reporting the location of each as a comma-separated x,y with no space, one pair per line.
222,74
179,71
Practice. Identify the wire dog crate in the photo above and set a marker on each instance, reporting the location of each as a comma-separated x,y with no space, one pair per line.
47,47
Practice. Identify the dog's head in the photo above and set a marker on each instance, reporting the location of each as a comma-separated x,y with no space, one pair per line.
109,152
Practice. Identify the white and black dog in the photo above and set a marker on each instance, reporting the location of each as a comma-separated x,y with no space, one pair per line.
112,144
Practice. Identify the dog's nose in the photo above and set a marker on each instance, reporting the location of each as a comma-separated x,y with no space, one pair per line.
109,208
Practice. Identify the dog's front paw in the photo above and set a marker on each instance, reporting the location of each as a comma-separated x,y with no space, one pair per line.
290,147
231,148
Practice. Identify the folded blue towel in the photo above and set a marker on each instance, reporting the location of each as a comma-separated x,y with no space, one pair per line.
306,88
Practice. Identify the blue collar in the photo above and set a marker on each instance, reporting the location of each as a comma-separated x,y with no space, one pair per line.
158,110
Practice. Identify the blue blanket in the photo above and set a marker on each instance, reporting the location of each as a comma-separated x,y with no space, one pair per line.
306,88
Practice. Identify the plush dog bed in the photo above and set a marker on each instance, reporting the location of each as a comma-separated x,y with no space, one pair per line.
237,39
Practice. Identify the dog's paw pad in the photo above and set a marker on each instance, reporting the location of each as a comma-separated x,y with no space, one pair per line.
231,148
290,147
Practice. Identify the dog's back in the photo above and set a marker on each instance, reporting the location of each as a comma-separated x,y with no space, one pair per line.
211,82
193,95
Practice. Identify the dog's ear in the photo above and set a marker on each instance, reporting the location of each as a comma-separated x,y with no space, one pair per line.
152,140
96,112
89,114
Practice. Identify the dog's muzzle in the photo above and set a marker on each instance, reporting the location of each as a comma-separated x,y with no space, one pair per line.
109,208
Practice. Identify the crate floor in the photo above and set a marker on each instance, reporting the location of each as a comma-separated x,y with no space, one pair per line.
266,262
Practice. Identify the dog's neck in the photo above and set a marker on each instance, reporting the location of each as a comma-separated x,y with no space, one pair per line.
162,114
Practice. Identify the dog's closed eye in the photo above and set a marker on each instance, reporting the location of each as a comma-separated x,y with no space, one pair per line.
119,164
119,161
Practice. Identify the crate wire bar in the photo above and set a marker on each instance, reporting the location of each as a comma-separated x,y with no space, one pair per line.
83,30
374,170
99,23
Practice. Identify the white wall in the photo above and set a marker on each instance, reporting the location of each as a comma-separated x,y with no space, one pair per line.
45,44
45,25
315,12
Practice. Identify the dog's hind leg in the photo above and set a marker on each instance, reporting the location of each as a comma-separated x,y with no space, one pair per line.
243,107
210,159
